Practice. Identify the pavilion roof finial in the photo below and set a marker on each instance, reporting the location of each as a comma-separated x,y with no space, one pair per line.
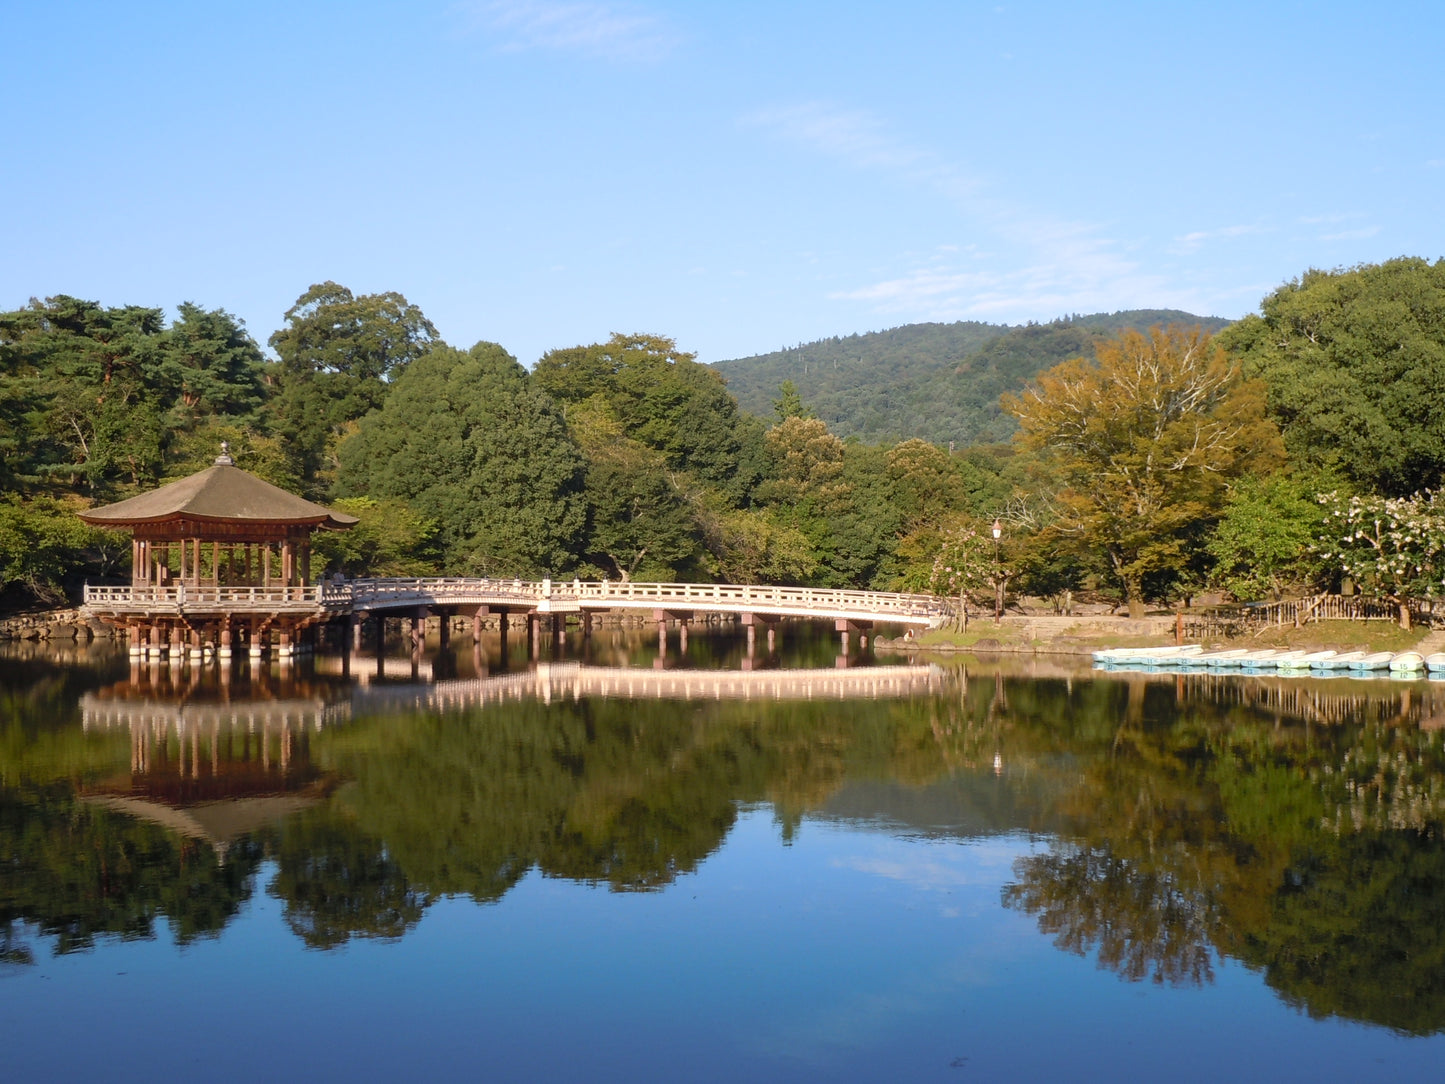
224,459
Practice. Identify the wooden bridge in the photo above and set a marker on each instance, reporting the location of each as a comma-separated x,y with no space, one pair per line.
190,611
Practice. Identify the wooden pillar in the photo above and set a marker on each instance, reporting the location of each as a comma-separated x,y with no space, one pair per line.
306,560
418,629
502,628
444,633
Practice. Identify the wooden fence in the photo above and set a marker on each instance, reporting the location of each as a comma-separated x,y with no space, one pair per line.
1228,621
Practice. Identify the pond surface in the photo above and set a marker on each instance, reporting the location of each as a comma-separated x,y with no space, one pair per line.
610,864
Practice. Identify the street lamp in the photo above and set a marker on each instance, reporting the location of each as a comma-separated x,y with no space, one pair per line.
997,573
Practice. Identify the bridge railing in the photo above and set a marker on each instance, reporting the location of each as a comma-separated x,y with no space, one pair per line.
682,595
368,591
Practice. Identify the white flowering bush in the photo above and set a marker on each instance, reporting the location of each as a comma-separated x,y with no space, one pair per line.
967,563
1391,546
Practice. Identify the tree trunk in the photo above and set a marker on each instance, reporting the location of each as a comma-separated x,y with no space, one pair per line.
1404,605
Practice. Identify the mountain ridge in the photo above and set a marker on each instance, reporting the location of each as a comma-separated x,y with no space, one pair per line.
937,381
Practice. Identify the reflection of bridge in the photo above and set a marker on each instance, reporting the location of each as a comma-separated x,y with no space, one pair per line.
573,681
188,611
546,682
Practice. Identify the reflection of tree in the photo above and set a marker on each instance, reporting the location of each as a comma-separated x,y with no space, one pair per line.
1142,922
338,884
77,873
1354,931
1201,829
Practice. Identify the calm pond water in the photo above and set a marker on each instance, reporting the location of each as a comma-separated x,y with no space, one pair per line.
610,865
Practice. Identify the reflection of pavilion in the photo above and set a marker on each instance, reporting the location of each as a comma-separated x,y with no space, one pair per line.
211,767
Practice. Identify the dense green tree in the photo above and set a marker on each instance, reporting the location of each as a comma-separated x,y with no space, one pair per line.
338,353
209,367
389,539
663,399
43,544
93,399
97,418
1142,442
1265,541
473,446
789,404
1353,359
640,523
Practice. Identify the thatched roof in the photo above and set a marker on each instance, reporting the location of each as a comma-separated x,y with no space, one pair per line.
220,493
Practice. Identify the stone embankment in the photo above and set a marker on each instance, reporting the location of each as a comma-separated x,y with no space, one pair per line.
1041,634
58,625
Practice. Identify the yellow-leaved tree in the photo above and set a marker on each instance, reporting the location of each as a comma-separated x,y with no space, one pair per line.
1141,444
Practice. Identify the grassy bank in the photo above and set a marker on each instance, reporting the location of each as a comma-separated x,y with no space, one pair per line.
1015,634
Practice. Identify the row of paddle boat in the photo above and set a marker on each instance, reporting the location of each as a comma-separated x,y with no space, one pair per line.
1193,656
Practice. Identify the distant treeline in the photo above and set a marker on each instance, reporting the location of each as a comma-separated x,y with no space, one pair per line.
1144,466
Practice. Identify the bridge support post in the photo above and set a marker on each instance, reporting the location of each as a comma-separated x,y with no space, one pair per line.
502,628
355,621
418,629
444,634
534,648
845,627
682,635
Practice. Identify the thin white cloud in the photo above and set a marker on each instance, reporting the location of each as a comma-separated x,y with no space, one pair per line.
1065,266
1351,235
856,136
608,31
1192,242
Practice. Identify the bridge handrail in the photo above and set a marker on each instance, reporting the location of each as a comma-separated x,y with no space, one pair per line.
660,594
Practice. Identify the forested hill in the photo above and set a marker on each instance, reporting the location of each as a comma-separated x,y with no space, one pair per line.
940,382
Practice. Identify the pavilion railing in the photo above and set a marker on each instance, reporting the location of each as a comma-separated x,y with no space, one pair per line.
179,596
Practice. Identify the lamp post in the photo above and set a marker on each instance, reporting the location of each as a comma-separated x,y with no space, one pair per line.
997,573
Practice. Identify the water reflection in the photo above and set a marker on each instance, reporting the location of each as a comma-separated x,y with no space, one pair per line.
1293,825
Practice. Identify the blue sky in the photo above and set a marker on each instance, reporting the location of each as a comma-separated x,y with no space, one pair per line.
740,176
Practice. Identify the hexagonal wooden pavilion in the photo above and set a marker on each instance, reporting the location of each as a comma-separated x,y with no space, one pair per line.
218,558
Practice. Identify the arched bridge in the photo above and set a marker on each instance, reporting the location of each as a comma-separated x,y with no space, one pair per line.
187,617
366,596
